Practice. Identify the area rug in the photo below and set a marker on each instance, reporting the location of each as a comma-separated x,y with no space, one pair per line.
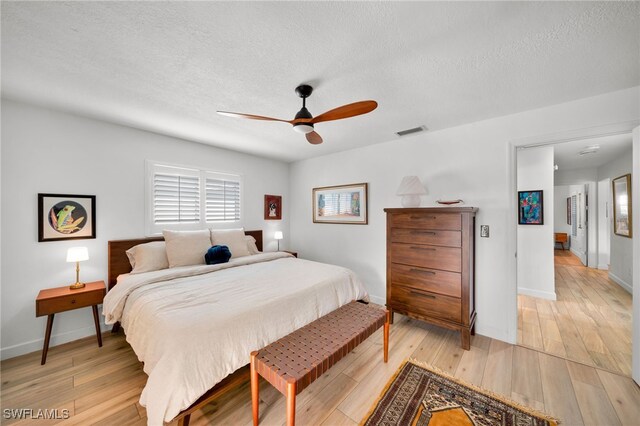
420,395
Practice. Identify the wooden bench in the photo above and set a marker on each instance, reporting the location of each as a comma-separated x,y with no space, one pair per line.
298,359
561,238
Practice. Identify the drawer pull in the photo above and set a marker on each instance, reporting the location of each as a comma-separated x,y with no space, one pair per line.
423,248
417,293
423,232
73,301
422,217
422,271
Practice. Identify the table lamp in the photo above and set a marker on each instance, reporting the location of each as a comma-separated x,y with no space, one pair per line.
278,237
77,254
411,189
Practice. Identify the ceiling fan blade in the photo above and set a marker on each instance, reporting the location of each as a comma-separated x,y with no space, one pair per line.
314,138
251,116
346,111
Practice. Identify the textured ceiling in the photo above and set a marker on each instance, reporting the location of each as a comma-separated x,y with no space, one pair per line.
567,155
168,66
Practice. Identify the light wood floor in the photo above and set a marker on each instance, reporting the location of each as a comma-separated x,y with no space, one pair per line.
589,323
102,385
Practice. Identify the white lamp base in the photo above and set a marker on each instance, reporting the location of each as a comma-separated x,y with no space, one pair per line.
411,201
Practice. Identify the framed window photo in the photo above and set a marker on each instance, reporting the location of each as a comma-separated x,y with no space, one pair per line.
622,206
345,204
530,208
66,217
272,207
568,210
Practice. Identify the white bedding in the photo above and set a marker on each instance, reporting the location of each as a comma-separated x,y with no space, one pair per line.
192,326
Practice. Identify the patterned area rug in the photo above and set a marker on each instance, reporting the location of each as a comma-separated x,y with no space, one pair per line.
419,395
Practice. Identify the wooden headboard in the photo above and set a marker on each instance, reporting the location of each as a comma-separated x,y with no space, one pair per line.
118,262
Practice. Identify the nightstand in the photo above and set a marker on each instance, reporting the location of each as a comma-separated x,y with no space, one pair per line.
294,253
55,300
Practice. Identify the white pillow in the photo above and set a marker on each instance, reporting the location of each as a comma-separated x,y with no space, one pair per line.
232,238
148,257
251,244
186,247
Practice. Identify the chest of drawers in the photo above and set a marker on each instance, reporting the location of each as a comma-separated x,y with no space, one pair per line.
430,266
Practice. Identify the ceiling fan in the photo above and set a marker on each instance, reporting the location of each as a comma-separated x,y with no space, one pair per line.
304,121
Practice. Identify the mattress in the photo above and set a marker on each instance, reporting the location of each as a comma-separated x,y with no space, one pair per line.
192,326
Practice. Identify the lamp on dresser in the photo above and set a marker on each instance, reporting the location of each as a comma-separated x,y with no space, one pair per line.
411,189
430,266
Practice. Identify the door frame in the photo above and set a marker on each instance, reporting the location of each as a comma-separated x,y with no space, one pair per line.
627,127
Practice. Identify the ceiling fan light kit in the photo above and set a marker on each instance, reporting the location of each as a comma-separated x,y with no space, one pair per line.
304,121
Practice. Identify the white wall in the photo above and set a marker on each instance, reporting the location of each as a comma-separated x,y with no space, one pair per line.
49,151
635,185
535,242
471,162
621,259
560,195
571,177
604,223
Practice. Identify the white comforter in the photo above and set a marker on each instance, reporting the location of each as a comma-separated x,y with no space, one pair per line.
193,326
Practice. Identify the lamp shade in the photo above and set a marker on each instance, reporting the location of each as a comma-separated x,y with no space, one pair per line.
77,254
411,185
278,235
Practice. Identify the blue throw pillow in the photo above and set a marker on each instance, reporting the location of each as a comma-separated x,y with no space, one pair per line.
217,254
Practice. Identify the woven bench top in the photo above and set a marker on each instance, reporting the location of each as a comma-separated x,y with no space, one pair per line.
308,352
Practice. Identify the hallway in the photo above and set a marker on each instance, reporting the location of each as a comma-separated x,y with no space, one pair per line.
589,323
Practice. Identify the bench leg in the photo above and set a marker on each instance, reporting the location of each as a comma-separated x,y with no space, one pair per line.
291,403
255,389
184,421
386,336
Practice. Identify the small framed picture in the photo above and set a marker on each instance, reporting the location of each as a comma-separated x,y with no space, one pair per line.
622,206
530,208
345,204
66,217
568,210
272,207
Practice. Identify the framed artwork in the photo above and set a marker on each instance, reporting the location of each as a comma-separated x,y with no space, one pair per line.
568,210
530,208
272,207
66,217
345,204
622,206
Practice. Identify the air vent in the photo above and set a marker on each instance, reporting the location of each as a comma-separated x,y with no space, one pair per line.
412,131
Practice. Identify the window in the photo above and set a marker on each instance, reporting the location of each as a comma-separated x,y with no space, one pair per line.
189,198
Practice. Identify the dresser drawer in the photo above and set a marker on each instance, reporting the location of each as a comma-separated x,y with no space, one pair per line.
67,303
427,221
425,303
426,236
432,280
434,257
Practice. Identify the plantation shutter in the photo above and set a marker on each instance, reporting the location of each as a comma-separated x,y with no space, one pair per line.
176,197
222,194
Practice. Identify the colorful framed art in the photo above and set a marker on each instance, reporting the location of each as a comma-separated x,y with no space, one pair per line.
344,204
66,217
272,207
530,208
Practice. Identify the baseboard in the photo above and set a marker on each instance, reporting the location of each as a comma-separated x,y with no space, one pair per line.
549,295
581,256
622,283
57,339
604,267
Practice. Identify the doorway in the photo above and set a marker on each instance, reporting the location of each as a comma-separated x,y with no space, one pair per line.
585,292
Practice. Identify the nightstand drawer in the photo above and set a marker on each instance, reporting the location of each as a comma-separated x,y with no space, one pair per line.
67,303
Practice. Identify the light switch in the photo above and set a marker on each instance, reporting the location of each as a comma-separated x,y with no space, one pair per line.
484,231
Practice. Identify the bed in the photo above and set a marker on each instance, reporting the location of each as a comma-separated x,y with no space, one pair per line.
194,327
